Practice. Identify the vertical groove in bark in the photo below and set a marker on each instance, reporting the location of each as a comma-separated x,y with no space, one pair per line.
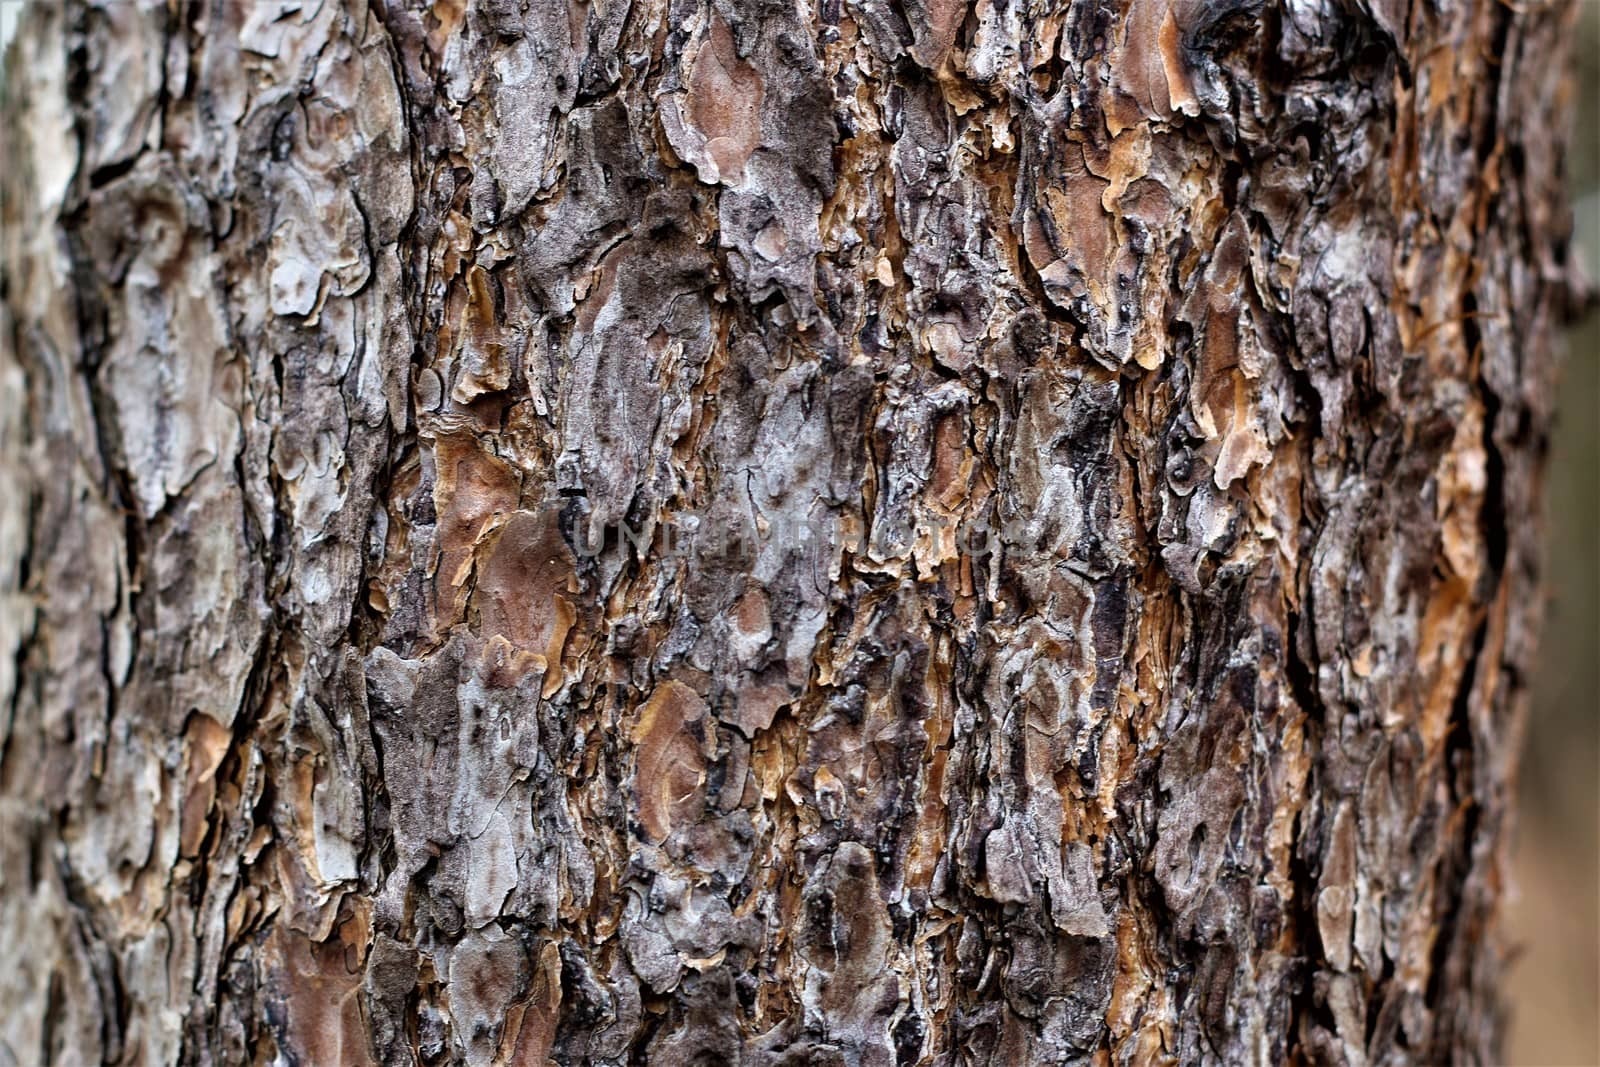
691,532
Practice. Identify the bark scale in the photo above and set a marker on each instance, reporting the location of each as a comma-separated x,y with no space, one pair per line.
692,532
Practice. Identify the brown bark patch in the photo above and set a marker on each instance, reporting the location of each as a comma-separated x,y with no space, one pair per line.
669,778
474,493
724,105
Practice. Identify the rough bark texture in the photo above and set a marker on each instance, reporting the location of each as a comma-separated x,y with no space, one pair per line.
681,531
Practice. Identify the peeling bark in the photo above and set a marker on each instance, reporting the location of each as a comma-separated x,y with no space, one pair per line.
690,532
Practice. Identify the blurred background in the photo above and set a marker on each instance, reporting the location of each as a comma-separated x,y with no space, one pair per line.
1554,908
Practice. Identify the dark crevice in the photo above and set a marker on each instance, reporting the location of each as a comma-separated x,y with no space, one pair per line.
53,1007
1306,1008
1456,857
1302,682
1495,520
108,173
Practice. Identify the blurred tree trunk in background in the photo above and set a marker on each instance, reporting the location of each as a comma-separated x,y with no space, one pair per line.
861,533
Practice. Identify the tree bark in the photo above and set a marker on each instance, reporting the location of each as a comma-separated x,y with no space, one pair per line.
693,532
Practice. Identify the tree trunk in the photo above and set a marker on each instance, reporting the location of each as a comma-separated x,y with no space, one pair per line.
747,533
